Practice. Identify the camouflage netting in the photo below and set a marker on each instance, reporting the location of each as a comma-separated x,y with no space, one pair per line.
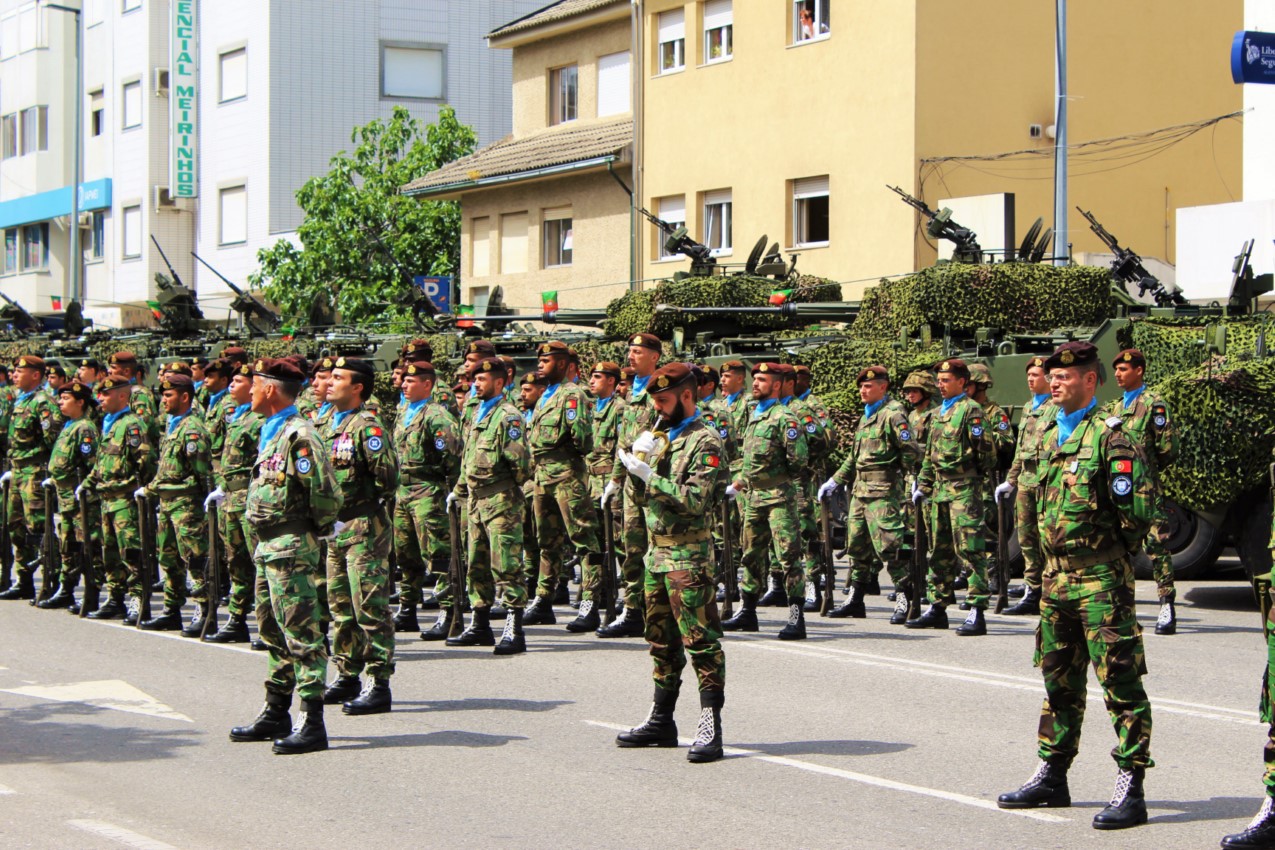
1178,345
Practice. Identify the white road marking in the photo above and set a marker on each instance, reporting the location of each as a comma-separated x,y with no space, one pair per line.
992,678
108,693
5,789
865,779
176,636
117,833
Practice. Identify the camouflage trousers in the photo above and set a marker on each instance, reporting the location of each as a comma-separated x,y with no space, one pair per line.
956,536
495,550
25,513
875,528
121,547
682,619
181,537
591,569
1161,559
1100,630
358,570
288,615
564,512
807,511
422,541
72,535
1029,536
530,541
1266,703
235,541
772,527
632,567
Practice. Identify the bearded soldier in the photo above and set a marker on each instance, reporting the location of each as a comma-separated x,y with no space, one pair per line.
530,389
1002,432
606,415
69,464
123,366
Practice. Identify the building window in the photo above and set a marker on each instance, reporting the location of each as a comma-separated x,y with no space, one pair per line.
35,129
9,128
413,71
29,28
97,112
672,34
810,211
11,251
557,238
718,31
35,246
130,5
234,74
97,238
672,210
564,91
810,20
480,247
133,104
234,215
615,87
132,232
513,243
94,12
717,222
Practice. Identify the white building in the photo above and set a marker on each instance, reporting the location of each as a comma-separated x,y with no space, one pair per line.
255,97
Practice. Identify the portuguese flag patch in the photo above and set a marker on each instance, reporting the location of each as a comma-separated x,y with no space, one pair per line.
373,431
712,460
1124,467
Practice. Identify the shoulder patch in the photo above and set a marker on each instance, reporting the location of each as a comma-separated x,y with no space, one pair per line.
905,435
375,443
791,433
304,465
709,459
514,432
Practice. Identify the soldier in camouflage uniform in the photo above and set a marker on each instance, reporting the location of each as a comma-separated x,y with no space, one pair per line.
320,380
774,453
69,464
420,351
958,454
124,367
1023,478
475,352
530,388
125,461
292,500
606,413
181,484
883,453
1094,511
818,445
493,469
1145,419
366,471
427,439
737,400
680,594
198,374
716,415
34,423
233,474
1003,440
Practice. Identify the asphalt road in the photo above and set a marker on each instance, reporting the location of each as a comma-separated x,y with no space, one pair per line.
865,735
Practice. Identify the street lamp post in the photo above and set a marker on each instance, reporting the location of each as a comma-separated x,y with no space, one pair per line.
75,260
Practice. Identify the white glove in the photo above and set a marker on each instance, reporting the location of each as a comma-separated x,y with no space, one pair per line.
608,492
451,500
917,496
139,493
216,497
338,527
731,492
7,477
1004,490
48,482
637,468
827,488
645,443
79,491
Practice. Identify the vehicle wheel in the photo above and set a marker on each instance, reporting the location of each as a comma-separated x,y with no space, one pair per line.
1193,541
1142,566
1253,541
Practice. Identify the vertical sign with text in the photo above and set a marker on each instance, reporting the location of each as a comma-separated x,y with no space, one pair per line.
183,100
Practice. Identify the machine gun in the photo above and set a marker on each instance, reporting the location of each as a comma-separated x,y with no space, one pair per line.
941,226
17,317
414,297
246,305
677,241
1245,286
179,312
1128,269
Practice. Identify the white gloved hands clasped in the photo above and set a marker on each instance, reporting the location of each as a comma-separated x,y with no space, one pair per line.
451,500
639,469
827,488
215,498
608,492
1004,490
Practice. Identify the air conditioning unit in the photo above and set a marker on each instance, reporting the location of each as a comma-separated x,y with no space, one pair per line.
165,202
161,82
85,220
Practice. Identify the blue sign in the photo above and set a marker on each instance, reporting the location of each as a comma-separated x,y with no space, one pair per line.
44,206
1253,57
439,290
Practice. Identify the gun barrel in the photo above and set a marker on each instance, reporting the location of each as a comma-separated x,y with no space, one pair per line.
591,318
821,311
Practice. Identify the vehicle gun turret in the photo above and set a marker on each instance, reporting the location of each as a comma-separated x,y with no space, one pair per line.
257,317
16,317
1127,267
966,248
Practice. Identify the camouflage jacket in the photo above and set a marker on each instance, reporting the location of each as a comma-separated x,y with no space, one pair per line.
774,457
958,451
143,404
883,450
72,459
239,451
818,440
638,415
606,431
1002,431
306,405
428,450
363,462
445,399
202,397
293,483
821,411
681,496
919,423
467,412
560,434
739,411
1028,454
185,460
34,425
216,420
1147,423
1095,507
495,458
717,416
321,418
125,459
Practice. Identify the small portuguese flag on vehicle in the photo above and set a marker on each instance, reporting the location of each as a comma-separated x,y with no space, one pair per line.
464,315
155,311
57,302
779,296
550,301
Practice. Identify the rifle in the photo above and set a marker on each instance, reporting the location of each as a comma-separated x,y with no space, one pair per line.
85,553
456,571
1128,269
920,561
941,226
212,576
244,304
729,578
50,561
607,589
6,542
829,565
146,576
1003,520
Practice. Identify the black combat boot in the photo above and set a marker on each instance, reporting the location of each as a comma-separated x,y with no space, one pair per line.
707,745
1029,605
934,617
962,581
563,594
235,630
133,611
512,640
1167,622
974,625
814,598
632,623
1017,591
88,605
375,699
442,626
775,596
902,600
64,598
796,628
659,729
112,610
873,587
258,645
343,689
1046,789
745,619
405,619
853,606
539,613
1128,806
195,627
1259,834
587,620
273,721
169,620
309,735
23,589
479,631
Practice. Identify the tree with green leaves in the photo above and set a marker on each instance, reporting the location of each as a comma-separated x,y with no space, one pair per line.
360,235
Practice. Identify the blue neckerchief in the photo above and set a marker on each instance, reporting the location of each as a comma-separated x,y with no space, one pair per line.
1038,400
709,398
109,420
487,406
639,385
869,409
546,395
324,408
413,408
763,406
175,419
402,398
601,404
473,391
674,433
24,396
241,410
786,400
1067,422
272,426
805,395
733,397
527,415
341,415
1131,396
949,403
216,397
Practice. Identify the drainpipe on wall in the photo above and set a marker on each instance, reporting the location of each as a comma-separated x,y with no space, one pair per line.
636,64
